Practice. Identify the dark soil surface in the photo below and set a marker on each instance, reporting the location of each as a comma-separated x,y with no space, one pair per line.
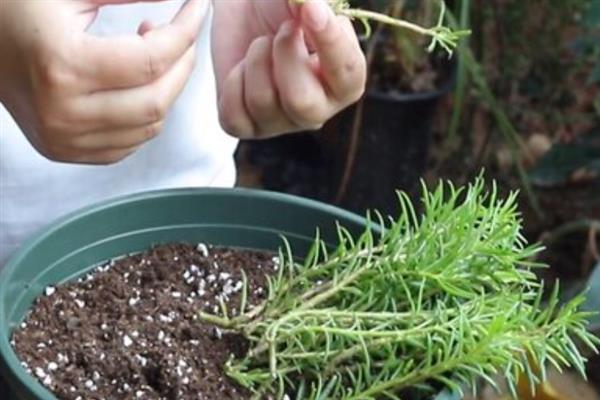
130,329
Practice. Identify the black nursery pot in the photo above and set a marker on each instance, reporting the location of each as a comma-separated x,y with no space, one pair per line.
392,149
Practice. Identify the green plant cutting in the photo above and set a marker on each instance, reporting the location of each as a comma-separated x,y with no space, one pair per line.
440,35
442,299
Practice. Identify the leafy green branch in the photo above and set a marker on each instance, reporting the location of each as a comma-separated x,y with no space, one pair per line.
446,298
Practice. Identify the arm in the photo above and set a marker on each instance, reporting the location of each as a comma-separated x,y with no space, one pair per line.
282,67
87,99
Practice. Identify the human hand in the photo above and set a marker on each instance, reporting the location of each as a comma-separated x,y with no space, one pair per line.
86,99
281,67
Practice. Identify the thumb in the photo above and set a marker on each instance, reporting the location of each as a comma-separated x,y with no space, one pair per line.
144,27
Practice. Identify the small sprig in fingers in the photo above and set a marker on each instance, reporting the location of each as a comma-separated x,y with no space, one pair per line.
440,35
447,298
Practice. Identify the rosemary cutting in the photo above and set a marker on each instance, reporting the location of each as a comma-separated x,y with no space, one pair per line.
412,305
440,35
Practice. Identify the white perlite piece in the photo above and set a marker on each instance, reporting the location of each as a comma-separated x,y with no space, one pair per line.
62,358
202,249
50,290
218,333
224,276
127,341
164,318
142,360
52,366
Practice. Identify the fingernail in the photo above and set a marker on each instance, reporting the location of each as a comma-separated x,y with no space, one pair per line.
317,14
287,29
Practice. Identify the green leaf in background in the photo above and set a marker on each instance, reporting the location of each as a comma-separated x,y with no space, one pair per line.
595,76
592,302
557,167
591,18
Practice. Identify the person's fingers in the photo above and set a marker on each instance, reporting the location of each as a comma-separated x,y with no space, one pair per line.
102,157
342,63
133,60
119,139
233,115
261,99
301,93
142,105
95,157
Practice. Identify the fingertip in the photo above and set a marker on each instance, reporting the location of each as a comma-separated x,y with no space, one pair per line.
316,15
289,36
193,11
287,29
145,27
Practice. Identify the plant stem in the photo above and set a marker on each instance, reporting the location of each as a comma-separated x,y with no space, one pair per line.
462,78
384,19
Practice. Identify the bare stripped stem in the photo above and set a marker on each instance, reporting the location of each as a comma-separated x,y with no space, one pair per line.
440,35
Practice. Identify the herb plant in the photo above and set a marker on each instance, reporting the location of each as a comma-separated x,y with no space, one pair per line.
414,304
440,35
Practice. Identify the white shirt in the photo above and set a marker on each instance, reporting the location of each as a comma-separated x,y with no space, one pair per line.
192,149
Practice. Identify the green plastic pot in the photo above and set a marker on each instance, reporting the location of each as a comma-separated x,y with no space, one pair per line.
72,246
